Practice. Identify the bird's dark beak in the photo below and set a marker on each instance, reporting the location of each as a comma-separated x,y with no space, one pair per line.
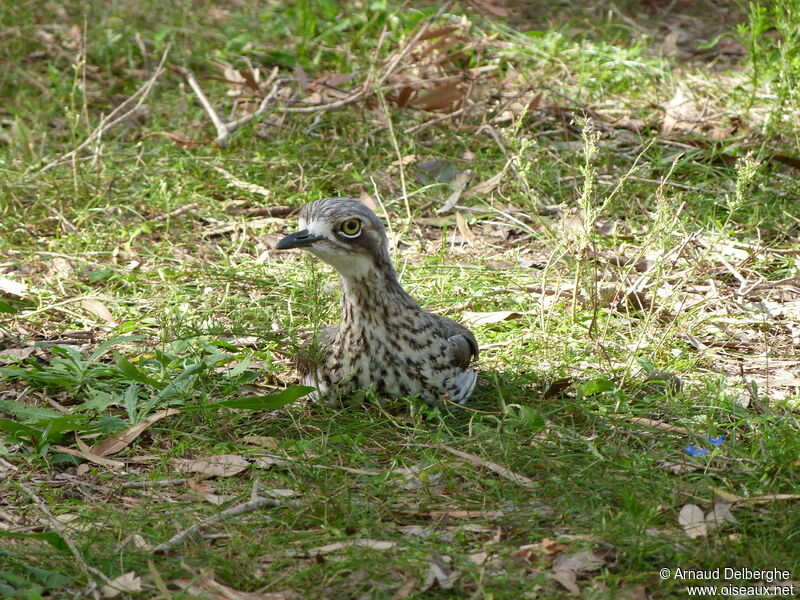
301,239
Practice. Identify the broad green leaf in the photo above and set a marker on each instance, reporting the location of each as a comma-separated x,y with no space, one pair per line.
18,429
27,413
108,344
51,537
63,423
5,307
134,373
596,386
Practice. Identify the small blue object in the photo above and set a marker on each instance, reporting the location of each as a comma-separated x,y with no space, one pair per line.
717,441
695,451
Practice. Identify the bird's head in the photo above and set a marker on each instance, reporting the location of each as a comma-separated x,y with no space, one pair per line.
345,234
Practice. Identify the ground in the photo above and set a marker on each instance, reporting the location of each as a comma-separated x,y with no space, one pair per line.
605,193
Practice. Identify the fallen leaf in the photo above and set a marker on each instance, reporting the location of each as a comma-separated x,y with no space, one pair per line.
719,515
137,542
122,440
90,456
478,558
439,32
357,543
13,288
693,521
98,309
405,590
128,583
464,229
553,547
487,318
221,465
567,567
62,267
9,355
486,187
682,114
439,97
203,490
440,573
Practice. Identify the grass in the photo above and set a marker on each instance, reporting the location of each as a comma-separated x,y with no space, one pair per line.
673,253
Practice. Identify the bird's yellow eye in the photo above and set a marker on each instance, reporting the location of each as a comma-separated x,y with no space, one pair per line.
351,227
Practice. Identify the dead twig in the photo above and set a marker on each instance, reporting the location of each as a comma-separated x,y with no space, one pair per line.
492,466
138,485
62,532
234,181
240,509
178,211
118,115
224,130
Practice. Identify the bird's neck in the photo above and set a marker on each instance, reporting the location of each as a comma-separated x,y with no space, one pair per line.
374,300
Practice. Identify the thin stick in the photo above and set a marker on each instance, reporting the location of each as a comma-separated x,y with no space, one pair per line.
494,467
116,116
222,129
62,532
137,485
239,509
242,184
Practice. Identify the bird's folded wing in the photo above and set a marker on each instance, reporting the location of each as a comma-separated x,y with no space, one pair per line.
463,345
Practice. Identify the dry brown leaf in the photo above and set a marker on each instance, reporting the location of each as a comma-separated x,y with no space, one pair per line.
567,567
206,493
464,229
494,7
91,457
682,114
62,267
122,440
405,590
553,547
477,558
262,441
9,355
439,32
486,187
693,521
221,465
404,97
487,318
441,573
439,97
128,583
357,543
720,514
98,309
